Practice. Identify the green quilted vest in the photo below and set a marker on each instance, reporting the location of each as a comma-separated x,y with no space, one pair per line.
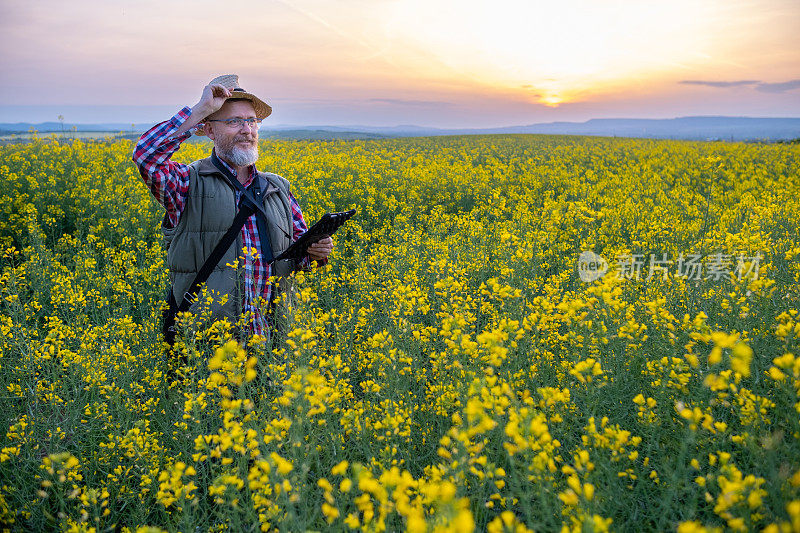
208,214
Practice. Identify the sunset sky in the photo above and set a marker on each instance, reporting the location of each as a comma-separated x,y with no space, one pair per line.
443,63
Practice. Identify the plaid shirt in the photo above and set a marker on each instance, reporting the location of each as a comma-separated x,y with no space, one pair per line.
169,183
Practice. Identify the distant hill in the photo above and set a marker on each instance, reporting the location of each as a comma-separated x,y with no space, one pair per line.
697,128
318,134
690,128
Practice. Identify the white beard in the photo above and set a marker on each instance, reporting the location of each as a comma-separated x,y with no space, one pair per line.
240,157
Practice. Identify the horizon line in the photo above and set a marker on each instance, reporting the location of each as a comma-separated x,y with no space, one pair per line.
327,125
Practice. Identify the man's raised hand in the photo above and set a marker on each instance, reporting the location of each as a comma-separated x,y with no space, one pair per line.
211,100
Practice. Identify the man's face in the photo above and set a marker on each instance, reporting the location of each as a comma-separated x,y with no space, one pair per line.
237,145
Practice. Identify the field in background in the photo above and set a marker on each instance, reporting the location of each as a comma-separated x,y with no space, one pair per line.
61,137
449,370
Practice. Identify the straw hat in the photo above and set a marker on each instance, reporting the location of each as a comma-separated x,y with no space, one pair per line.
231,82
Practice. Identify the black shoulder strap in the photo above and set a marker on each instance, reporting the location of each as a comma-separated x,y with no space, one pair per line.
261,224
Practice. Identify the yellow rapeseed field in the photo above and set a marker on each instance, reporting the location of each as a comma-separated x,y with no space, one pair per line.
458,366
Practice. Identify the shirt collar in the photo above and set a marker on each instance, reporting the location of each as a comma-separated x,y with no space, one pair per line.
232,170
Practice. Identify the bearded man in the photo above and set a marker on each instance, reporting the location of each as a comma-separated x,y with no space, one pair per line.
202,200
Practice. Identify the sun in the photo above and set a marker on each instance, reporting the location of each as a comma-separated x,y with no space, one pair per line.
551,100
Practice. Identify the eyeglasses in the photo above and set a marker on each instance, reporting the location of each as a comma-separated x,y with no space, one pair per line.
237,122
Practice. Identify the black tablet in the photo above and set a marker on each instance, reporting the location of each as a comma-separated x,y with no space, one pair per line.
324,227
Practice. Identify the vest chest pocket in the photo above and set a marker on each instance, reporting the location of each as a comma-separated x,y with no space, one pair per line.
215,211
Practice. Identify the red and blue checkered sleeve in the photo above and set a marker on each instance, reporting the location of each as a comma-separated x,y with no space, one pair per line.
168,181
300,227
